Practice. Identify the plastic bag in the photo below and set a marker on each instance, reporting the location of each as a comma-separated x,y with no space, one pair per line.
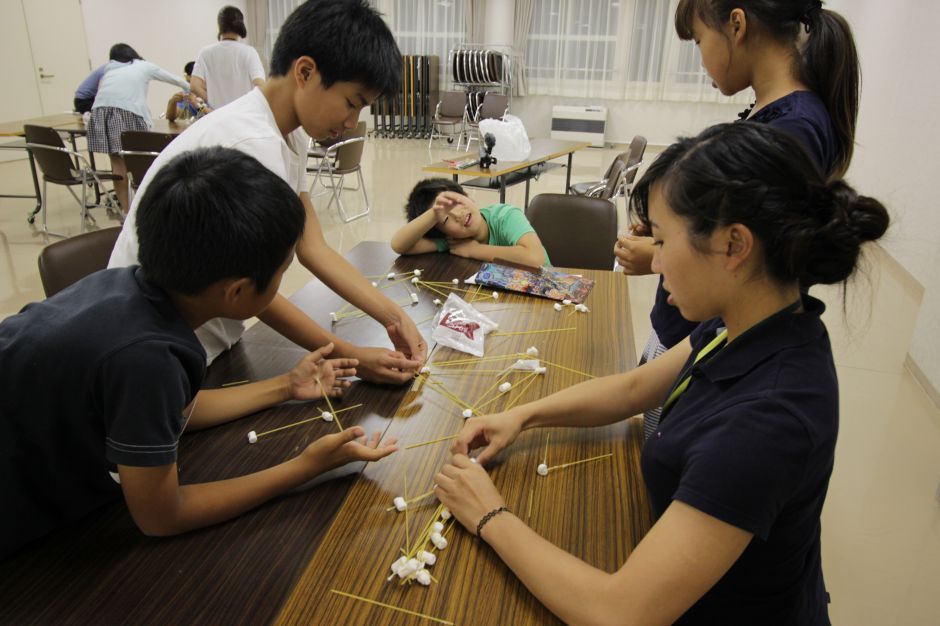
461,327
512,142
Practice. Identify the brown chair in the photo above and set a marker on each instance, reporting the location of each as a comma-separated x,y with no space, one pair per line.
632,159
576,231
450,118
340,160
61,166
140,150
494,107
66,262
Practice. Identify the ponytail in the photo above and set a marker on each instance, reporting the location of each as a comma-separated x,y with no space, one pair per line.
829,66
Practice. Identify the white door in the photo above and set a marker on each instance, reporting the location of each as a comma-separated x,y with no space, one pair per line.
59,51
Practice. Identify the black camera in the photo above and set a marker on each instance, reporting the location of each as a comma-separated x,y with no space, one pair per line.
486,151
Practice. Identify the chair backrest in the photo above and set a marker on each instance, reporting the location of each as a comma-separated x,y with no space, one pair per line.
614,179
577,231
66,262
453,103
634,157
140,150
56,166
495,106
349,155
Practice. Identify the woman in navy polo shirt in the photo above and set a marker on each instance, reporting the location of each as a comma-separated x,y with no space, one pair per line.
738,469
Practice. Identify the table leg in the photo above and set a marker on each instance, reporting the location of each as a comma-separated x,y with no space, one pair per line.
528,177
455,178
502,190
32,170
568,177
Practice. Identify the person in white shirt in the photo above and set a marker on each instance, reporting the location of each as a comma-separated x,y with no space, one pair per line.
321,80
227,69
121,105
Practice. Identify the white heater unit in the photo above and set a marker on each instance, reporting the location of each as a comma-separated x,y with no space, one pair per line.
580,124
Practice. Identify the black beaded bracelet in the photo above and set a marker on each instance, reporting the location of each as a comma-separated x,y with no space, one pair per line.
486,518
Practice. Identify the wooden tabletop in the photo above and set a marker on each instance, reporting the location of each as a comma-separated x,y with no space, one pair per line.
542,150
15,129
279,562
73,123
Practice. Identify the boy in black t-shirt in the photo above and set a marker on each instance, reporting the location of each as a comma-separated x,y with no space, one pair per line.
123,366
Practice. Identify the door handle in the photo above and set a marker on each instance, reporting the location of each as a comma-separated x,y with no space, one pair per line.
41,75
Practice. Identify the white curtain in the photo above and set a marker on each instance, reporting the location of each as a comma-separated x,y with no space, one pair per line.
256,18
427,26
278,10
520,34
614,49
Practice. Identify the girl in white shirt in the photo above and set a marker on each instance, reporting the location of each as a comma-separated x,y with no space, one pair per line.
228,69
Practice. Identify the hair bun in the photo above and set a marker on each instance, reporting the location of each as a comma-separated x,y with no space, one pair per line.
865,216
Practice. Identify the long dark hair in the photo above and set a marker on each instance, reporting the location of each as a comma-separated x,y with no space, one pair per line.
123,53
231,20
753,174
827,62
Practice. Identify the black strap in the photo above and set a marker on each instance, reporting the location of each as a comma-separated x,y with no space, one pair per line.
486,518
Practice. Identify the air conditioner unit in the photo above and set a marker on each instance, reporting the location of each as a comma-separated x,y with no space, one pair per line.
585,123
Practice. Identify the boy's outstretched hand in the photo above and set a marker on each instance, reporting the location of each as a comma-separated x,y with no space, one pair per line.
313,367
331,451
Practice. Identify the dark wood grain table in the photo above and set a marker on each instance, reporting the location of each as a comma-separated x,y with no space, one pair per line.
280,561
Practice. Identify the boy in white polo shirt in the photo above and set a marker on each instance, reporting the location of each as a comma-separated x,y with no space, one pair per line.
331,59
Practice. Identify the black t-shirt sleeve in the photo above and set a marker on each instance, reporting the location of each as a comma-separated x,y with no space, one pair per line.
143,389
746,465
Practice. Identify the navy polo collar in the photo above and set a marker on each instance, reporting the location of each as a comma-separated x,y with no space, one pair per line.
773,335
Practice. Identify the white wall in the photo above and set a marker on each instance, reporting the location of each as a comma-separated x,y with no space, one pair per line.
897,145
169,33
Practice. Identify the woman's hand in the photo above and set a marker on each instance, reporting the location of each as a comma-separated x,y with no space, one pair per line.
464,487
495,432
331,451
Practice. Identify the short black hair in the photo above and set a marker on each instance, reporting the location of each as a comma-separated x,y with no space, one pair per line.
188,68
123,53
348,40
231,20
216,213
753,174
422,197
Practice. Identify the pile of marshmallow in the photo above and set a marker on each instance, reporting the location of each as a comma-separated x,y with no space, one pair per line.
580,308
416,567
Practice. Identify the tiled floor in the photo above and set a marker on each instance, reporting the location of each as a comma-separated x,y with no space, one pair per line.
881,525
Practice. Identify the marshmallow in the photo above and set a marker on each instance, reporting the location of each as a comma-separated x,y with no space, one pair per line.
437,302
542,469
414,298
584,309
496,295
417,272
456,281
375,284
437,527
327,416
415,280
425,370
439,541
533,351
541,370
557,306
391,275
252,437
428,558
504,387
527,365
397,565
400,503
467,413
473,459
424,577
333,316
445,514
566,301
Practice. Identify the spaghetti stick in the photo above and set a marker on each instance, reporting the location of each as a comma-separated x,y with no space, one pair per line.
485,359
441,389
533,332
593,458
236,382
329,404
407,532
391,608
427,443
568,369
548,438
300,423
532,378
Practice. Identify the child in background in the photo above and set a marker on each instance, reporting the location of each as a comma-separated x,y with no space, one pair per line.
86,92
119,351
185,105
442,218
